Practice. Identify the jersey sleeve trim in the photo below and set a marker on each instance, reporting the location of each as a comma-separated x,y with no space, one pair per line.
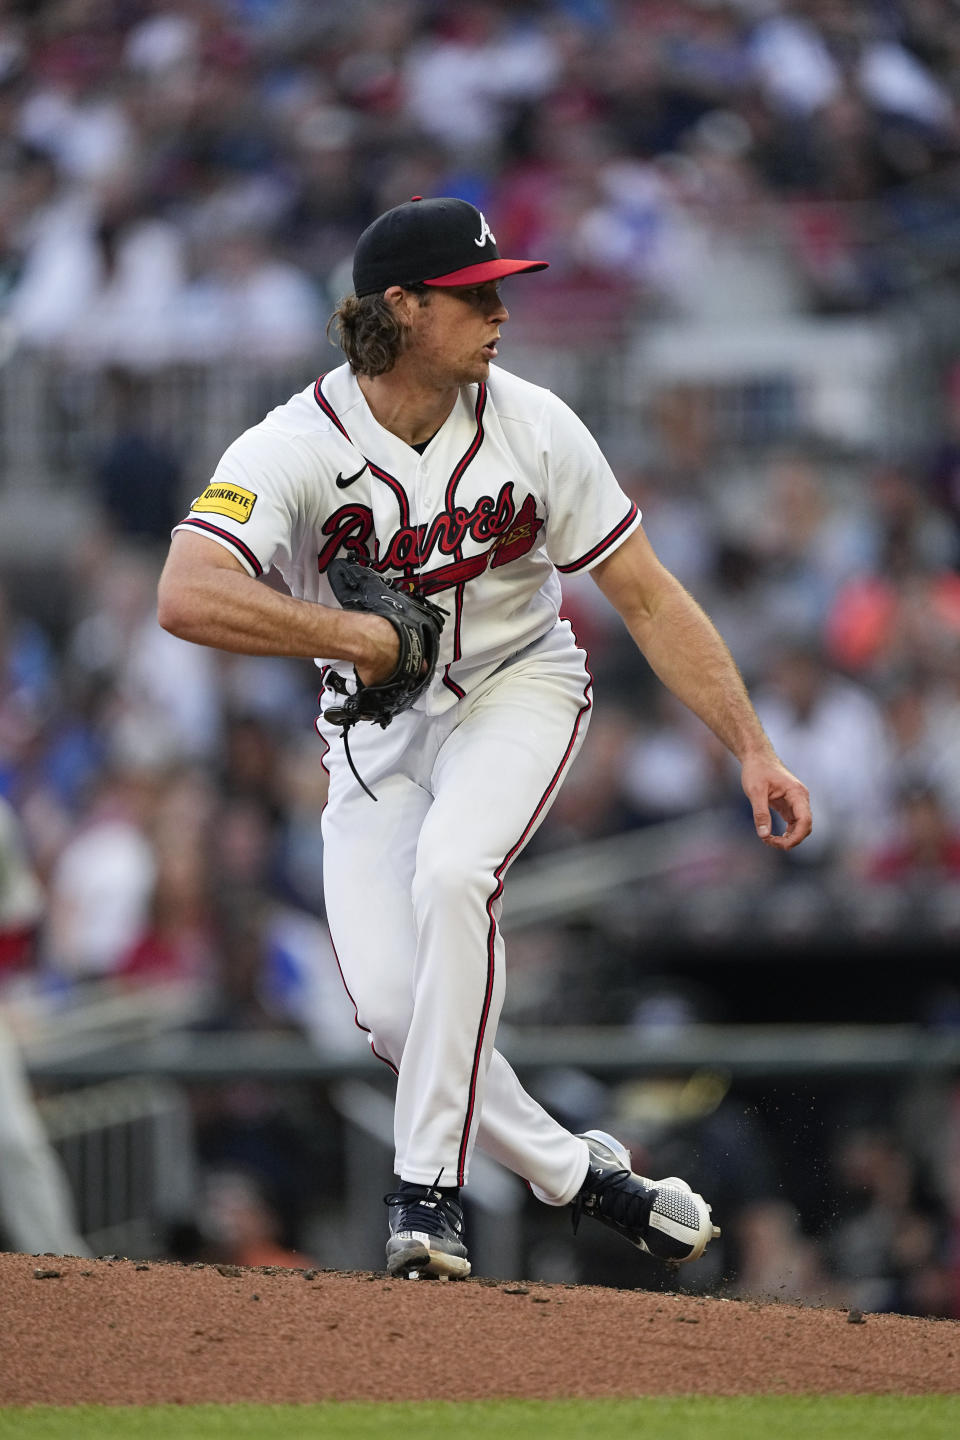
618,531
327,408
224,536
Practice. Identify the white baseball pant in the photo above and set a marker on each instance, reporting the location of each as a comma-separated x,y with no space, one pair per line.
413,893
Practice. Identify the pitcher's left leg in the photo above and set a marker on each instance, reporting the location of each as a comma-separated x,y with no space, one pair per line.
493,781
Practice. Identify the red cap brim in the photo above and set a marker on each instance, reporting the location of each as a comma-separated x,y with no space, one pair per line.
486,270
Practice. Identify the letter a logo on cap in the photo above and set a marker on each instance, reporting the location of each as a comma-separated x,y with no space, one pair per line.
485,232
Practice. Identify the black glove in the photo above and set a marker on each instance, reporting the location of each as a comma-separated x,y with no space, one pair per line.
418,623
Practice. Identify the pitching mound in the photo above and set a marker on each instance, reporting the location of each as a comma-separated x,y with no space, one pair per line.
126,1332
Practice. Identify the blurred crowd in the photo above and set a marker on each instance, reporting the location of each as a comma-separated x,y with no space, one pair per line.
182,178
183,182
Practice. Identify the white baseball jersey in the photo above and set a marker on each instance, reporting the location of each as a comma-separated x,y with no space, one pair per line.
511,489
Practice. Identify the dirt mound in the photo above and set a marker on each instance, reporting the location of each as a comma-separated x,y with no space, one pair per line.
128,1332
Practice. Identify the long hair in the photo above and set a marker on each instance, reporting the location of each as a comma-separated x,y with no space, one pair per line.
370,333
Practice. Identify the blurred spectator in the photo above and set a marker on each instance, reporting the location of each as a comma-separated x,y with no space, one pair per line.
130,314
303,788
51,236
100,277
36,1207
736,596
27,689
21,895
924,724
245,301
794,64
924,848
808,541
301,986
832,732
673,766
777,1260
475,66
885,1251
945,465
241,1225
165,42
165,703
639,229
176,941
138,475
103,881
906,616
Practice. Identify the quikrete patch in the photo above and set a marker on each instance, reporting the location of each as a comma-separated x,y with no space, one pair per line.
227,500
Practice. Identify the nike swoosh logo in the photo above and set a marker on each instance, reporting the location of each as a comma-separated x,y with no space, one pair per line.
344,480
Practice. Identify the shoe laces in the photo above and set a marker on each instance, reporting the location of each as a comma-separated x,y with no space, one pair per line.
617,1196
437,1211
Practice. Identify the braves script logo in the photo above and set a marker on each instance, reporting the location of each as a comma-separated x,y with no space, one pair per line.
512,533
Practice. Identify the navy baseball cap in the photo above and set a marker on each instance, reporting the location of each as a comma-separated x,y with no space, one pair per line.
444,241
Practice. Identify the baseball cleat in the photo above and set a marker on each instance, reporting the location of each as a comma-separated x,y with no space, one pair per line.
663,1217
426,1225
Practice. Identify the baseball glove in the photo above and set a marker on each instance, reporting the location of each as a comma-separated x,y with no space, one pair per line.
418,623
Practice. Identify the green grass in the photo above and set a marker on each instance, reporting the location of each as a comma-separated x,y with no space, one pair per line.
764,1417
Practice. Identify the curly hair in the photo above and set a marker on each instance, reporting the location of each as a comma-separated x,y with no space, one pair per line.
369,332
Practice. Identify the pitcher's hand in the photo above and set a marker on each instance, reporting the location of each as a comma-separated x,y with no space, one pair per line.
769,785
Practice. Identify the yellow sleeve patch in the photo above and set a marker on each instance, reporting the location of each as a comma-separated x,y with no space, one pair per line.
227,500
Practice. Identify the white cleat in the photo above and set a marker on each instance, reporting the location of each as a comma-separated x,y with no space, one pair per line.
665,1218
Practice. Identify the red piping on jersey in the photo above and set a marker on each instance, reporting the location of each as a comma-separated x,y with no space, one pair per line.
328,409
381,474
457,648
458,473
457,652
607,540
471,450
403,504
244,550
492,930
356,1016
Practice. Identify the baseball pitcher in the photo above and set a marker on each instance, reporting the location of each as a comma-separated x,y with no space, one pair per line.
442,497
